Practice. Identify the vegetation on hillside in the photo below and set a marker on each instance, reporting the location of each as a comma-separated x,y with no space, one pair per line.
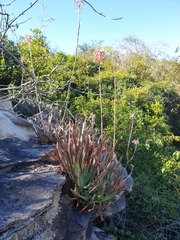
134,79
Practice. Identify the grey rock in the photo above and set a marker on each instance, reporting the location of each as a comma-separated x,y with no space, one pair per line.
115,207
99,234
127,179
14,151
23,196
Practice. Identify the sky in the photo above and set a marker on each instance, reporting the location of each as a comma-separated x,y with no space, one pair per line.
151,21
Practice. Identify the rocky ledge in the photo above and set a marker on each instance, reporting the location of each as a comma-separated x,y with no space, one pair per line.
34,204
30,192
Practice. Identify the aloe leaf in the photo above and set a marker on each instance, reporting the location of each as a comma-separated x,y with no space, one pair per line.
74,172
84,177
93,189
76,194
108,197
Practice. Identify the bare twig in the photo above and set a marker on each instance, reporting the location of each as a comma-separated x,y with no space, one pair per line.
10,24
54,69
101,14
8,4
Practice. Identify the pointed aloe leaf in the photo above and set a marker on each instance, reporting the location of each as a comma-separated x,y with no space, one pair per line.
76,194
108,197
84,177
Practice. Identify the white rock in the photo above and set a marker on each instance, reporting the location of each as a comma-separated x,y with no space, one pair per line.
11,125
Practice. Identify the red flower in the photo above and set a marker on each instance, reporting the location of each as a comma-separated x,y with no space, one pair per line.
132,116
22,59
99,55
135,141
78,1
28,38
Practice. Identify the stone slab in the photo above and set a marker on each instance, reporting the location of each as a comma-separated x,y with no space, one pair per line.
14,151
99,234
24,196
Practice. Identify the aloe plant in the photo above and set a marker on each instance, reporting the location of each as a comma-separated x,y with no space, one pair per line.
90,163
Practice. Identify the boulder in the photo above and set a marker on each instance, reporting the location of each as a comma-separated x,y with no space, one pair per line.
13,126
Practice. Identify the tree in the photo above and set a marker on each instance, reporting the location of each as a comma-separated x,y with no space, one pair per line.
10,71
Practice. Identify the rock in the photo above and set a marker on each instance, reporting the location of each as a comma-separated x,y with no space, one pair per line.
15,152
30,192
11,125
28,200
115,207
128,180
70,222
32,204
99,234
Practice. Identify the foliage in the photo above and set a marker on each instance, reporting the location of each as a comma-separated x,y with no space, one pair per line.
9,70
155,195
35,53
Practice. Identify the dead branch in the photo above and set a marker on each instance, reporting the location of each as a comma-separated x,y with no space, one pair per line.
101,14
8,4
9,24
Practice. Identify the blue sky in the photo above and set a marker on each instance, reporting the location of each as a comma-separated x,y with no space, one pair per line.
152,21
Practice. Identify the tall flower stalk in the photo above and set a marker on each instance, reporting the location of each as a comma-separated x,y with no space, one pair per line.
78,3
135,141
115,120
99,57
114,68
